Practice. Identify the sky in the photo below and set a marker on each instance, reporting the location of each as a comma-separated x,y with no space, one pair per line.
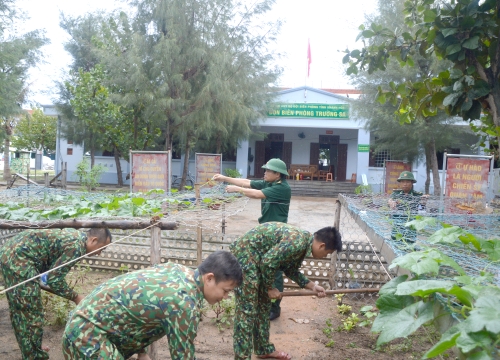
330,26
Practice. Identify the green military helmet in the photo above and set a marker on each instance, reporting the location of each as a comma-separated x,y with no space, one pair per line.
276,165
407,175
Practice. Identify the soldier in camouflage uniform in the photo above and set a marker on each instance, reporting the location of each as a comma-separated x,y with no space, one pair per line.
275,195
261,252
406,202
125,314
34,252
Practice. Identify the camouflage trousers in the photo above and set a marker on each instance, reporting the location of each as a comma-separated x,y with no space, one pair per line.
251,320
280,285
83,340
26,313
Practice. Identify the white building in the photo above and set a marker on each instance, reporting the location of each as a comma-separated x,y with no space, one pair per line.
307,124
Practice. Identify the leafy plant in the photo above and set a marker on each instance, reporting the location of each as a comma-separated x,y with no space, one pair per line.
233,173
349,323
406,304
57,308
224,312
344,309
456,236
363,189
367,312
339,298
87,176
328,331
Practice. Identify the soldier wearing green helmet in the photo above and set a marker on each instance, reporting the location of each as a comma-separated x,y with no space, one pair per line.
406,202
275,194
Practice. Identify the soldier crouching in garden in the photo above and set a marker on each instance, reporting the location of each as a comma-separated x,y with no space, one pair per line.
125,314
34,252
261,252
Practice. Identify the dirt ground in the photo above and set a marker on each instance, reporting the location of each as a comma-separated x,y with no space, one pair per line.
300,329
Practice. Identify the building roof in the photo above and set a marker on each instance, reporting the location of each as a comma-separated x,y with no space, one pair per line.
328,92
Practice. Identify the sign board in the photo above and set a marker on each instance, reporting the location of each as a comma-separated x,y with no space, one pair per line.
317,111
207,165
392,171
467,178
363,147
150,170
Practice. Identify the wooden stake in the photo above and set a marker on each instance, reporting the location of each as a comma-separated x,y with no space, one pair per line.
155,258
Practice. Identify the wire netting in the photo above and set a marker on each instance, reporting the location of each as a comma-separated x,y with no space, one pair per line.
34,204
386,218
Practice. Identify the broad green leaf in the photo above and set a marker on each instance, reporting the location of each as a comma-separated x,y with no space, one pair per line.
449,31
391,287
429,15
470,239
453,48
368,34
486,313
138,201
468,342
421,223
447,235
472,43
389,306
447,341
423,288
417,262
451,99
406,322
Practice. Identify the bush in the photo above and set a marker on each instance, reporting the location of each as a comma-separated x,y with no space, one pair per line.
232,173
87,177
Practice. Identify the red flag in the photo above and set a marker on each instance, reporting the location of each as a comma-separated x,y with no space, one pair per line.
309,58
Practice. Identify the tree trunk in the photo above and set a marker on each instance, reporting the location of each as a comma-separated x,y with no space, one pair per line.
168,145
187,150
92,150
219,143
6,161
434,166
118,166
427,168
6,164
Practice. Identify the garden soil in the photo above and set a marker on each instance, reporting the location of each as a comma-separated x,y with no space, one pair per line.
300,330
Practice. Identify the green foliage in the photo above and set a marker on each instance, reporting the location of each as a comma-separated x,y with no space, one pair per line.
462,32
367,312
224,312
349,323
56,308
406,304
456,236
363,189
88,177
344,309
328,331
36,132
233,173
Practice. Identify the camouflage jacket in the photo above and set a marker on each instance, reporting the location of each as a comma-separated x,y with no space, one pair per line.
275,246
135,309
34,252
407,202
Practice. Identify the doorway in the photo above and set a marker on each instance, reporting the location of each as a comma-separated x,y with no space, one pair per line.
272,147
330,155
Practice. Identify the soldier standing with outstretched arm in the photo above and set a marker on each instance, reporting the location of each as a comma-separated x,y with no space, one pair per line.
275,194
